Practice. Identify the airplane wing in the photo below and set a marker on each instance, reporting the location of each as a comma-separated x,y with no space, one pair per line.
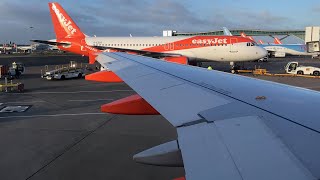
104,48
51,42
140,52
229,126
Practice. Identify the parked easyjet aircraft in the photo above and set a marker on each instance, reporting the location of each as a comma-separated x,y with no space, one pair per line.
196,48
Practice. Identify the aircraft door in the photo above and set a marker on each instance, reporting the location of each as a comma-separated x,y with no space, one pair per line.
233,45
169,46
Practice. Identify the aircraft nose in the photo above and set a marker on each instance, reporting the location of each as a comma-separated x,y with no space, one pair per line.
261,52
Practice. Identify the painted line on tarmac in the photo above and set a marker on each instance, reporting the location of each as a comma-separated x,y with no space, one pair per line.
73,92
90,100
52,115
69,147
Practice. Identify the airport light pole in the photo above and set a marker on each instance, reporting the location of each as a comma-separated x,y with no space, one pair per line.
31,31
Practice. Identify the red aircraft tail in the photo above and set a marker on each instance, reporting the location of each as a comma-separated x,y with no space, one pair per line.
63,24
245,36
68,34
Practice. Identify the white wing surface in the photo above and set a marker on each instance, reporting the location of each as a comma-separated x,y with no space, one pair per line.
229,126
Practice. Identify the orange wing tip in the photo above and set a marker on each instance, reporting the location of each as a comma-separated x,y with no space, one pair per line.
181,178
132,105
179,60
104,76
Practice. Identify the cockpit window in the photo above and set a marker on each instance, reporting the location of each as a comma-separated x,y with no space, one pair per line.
251,44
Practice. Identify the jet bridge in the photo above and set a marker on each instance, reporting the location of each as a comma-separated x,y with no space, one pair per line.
312,39
286,33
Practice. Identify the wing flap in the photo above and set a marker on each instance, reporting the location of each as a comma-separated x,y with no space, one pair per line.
238,148
204,154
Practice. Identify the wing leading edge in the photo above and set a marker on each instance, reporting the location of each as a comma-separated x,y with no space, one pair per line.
229,126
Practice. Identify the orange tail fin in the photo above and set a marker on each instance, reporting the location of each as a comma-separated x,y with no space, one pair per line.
64,26
277,41
251,38
243,34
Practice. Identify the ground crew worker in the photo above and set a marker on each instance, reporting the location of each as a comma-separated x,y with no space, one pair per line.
210,68
14,65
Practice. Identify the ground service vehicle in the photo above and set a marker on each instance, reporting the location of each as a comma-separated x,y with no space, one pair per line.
65,72
13,71
294,68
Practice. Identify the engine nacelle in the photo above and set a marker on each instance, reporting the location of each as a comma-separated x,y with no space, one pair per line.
104,76
132,105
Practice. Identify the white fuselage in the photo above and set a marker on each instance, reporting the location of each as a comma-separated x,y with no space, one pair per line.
186,46
292,49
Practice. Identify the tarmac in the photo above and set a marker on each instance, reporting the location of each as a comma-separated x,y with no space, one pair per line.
63,134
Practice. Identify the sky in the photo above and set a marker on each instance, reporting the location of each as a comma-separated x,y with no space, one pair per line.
151,17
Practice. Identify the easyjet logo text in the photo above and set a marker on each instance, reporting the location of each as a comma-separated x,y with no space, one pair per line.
64,21
210,41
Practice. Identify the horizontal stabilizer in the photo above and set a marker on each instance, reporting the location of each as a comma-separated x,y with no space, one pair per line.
53,43
167,154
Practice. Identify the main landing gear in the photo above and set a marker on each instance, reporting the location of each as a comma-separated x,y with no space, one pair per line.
232,67
236,66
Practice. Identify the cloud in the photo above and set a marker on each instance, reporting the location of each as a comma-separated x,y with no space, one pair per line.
316,9
148,14
124,17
